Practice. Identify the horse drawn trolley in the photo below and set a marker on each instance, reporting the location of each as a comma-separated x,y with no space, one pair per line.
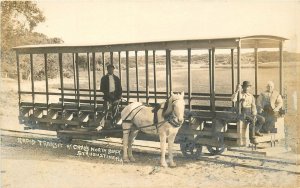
71,102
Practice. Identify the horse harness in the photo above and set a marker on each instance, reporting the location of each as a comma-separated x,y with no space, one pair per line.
169,118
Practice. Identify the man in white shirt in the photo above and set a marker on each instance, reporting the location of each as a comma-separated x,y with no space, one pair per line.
269,104
248,108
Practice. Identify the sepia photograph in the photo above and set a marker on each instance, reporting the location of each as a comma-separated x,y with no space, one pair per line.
150,93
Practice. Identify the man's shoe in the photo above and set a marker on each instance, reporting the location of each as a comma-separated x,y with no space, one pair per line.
258,134
253,141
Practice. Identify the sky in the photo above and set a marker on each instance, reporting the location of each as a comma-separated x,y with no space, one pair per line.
120,21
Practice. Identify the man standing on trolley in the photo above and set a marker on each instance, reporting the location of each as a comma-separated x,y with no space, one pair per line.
112,90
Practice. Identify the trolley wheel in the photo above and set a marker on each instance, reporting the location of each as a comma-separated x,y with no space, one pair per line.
217,150
190,148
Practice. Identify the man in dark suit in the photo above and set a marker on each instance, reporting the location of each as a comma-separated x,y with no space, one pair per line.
111,85
112,90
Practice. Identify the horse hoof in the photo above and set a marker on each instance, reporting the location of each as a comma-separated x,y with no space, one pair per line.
173,165
165,165
132,159
126,160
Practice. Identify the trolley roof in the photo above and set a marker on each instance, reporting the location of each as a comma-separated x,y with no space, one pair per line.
256,41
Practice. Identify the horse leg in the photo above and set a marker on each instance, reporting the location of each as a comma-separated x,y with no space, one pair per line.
126,131
132,136
163,139
171,139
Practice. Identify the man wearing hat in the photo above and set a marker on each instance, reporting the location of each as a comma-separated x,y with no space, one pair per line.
111,88
248,109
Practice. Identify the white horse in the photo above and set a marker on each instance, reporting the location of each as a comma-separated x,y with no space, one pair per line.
170,116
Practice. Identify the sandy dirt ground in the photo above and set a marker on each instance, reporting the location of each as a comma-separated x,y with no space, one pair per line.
25,165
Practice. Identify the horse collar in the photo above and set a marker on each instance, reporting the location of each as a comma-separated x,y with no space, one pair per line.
171,119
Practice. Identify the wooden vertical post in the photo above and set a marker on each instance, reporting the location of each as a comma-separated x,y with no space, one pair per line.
256,69
189,79
77,76
127,75
32,82
232,74
89,75
103,63
32,77
281,67
94,82
239,74
167,74
210,75
242,128
120,68
61,80
19,79
170,70
213,80
154,75
137,76
46,80
147,76
74,75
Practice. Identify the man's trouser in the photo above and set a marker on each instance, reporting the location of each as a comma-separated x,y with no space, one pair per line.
113,107
111,99
260,120
270,117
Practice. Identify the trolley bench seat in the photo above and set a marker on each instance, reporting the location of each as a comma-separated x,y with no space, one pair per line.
25,107
222,115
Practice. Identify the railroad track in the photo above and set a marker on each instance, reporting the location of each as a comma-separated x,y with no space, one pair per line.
229,158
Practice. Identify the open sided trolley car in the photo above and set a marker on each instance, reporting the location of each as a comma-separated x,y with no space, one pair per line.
72,104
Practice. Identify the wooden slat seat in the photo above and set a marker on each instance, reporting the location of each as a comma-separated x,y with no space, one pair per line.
25,107
53,110
71,107
39,109
228,116
67,115
25,110
55,106
82,101
82,116
41,106
87,108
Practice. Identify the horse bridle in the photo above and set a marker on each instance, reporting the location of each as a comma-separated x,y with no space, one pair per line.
171,118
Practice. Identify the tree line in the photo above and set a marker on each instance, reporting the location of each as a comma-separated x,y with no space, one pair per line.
18,20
